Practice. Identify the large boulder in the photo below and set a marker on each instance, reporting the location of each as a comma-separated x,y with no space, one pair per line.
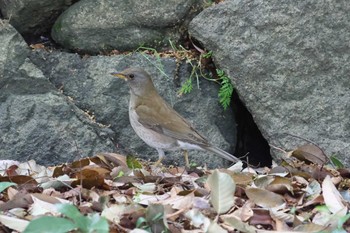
33,17
88,83
36,120
97,26
289,61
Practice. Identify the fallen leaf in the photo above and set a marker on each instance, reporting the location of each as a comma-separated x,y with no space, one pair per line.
198,219
113,213
5,185
14,223
332,197
222,190
110,160
310,153
237,224
264,198
215,228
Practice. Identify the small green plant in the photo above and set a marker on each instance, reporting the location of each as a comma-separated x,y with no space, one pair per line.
73,220
336,162
207,55
132,162
341,222
193,164
226,89
154,220
142,222
5,185
186,86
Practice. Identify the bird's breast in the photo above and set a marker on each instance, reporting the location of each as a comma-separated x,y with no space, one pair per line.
149,136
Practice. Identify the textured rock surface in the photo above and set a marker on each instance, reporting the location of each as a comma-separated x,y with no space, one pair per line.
89,83
95,26
32,16
289,61
36,120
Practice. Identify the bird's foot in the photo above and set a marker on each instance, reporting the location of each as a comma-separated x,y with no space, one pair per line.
187,163
159,162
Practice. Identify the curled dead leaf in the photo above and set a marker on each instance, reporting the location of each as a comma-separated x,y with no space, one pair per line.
311,154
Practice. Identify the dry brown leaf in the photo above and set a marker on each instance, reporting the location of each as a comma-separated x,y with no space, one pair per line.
48,199
110,160
80,163
244,213
37,46
282,216
280,185
20,200
242,178
180,202
90,177
263,181
20,179
264,198
9,165
237,224
280,225
261,217
11,170
310,153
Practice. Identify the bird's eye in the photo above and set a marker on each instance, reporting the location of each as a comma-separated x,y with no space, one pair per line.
131,76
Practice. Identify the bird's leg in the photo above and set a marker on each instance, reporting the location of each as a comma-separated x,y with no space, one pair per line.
161,157
186,158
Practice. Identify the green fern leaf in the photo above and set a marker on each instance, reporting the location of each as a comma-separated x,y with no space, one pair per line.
186,87
226,89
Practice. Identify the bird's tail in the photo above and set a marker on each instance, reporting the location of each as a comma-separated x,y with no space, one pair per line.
222,153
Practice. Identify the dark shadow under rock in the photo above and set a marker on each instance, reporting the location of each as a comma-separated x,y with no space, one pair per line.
251,145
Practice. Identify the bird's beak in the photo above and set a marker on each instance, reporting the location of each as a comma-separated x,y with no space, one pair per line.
120,75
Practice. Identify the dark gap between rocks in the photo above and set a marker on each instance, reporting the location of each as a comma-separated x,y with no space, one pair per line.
250,145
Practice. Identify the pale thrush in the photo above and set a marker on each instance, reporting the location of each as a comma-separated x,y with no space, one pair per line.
157,123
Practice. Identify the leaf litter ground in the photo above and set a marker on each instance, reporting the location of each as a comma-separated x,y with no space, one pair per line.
114,194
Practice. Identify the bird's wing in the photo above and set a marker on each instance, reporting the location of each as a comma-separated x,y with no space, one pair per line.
165,120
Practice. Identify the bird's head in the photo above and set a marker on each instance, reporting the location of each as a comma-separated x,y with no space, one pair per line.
139,80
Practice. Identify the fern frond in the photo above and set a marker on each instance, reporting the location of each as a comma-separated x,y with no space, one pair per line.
186,87
226,89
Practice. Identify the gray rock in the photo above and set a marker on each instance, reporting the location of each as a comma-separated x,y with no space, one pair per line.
97,26
33,16
289,61
87,81
13,49
36,120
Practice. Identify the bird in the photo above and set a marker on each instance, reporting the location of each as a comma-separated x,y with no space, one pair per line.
157,123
